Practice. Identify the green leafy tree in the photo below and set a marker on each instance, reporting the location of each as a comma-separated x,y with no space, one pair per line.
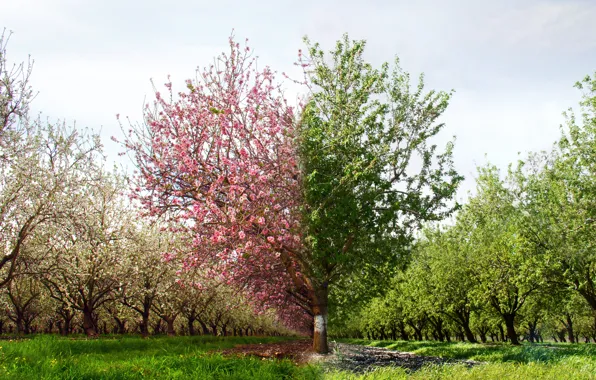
370,173
507,267
561,201
444,277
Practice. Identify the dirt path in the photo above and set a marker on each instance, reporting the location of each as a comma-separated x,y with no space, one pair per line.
348,357
299,351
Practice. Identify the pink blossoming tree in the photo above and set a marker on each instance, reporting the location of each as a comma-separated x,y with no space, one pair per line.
220,162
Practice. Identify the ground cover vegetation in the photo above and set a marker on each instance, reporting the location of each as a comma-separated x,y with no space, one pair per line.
206,357
335,216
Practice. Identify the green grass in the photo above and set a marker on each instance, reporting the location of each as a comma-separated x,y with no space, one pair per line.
537,361
48,357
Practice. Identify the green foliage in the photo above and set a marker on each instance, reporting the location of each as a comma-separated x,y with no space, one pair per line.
521,250
360,133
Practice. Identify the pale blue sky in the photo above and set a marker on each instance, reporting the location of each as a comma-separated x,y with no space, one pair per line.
512,63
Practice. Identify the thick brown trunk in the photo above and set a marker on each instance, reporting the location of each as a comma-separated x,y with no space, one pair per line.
509,324
88,324
20,325
144,327
463,315
319,308
191,327
171,330
469,334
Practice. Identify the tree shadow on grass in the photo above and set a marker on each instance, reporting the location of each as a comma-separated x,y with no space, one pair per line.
488,352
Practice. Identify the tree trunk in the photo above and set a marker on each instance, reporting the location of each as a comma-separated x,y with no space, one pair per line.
532,334
418,334
158,327
170,322
64,326
191,327
19,322
502,333
27,324
403,333
461,335
437,324
144,326
204,328
509,324
569,327
319,308
120,325
88,323
469,334
463,317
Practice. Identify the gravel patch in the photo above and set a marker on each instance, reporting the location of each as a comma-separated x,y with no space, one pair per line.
361,359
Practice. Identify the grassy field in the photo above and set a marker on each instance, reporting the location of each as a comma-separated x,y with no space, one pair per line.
47,357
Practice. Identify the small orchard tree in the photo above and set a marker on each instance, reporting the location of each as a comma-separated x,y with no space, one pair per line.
507,267
23,294
286,206
83,267
441,272
563,200
40,165
147,270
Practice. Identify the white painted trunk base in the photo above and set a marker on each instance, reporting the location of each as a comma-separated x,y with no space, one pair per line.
320,323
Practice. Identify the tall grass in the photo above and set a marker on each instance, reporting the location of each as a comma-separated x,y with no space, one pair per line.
47,357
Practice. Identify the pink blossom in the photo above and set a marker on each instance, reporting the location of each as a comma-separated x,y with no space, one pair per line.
218,151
